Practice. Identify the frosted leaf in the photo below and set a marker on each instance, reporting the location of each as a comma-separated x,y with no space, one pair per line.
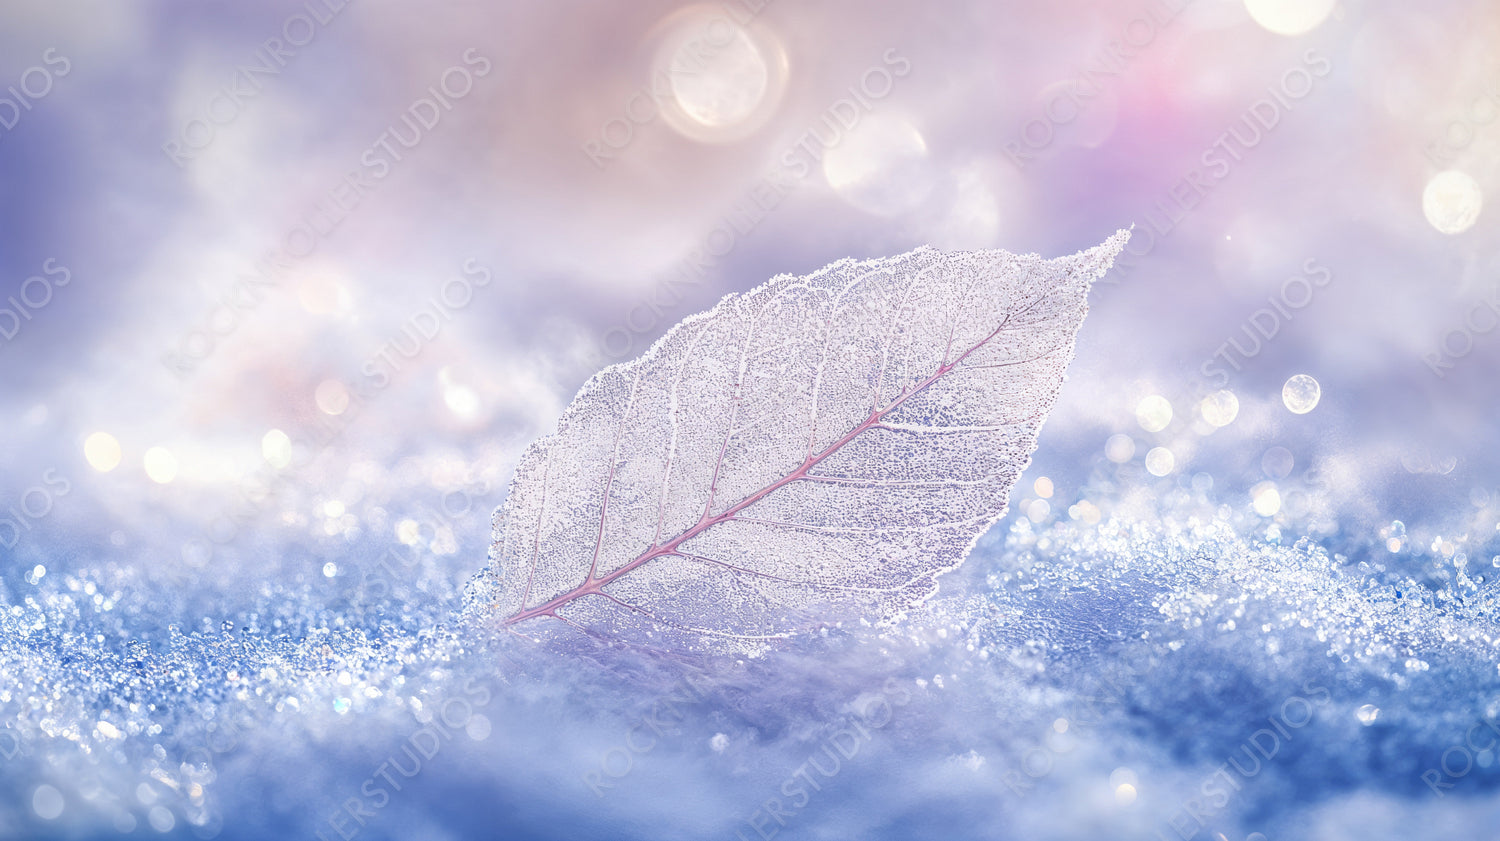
816,450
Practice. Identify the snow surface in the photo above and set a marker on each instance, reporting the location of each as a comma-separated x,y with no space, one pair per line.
1066,660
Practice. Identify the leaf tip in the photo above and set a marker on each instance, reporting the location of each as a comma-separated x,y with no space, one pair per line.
1101,258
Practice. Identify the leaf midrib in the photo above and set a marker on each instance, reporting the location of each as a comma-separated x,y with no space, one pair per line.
594,585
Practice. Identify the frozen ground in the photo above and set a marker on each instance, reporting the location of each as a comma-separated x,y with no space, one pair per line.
1151,658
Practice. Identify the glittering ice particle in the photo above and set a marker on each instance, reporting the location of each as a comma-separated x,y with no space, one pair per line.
972,760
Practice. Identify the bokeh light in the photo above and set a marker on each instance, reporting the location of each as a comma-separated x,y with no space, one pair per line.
1120,448
332,397
1265,499
730,86
102,451
725,78
160,464
276,448
1153,413
1220,408
47,802
881,166
1290,17
1277,462
1301,394
1160,461
1452,201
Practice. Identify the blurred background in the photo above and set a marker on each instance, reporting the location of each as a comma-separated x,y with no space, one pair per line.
286,287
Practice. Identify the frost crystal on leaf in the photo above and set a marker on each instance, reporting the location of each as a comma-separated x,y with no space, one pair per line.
817,450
